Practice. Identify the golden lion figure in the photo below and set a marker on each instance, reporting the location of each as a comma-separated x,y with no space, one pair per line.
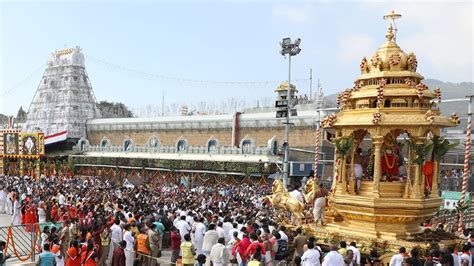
310,190
280,199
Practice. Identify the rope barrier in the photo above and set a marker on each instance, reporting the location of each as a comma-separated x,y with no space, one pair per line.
6,244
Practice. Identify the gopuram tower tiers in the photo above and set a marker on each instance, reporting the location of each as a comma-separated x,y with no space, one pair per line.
64,99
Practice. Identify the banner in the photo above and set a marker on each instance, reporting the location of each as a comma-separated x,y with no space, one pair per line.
57,137
451,198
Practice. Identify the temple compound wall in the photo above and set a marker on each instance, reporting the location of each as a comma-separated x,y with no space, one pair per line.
239,145
233,130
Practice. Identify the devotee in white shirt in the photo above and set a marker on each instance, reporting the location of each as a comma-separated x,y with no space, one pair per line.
61,199
333,258
311,256
397,259
282,233
296,194
183,227
466,256
356,252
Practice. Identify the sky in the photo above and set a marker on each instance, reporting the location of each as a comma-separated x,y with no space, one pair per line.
129,45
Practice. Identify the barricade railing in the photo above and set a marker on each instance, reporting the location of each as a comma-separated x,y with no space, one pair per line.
23,241
20,241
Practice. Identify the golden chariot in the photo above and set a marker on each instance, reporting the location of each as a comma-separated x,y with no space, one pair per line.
387,156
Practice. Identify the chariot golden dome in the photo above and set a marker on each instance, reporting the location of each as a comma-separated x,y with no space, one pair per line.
389,61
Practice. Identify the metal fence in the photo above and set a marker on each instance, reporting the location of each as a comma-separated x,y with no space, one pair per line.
451,183
21,241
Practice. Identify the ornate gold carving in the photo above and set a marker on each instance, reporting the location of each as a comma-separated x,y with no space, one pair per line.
430,117
437,93
309,190
377,118
364,66
329,121
412,63
420,88
376,62
280,199
455,118
380,92
381,219
410,82
395,59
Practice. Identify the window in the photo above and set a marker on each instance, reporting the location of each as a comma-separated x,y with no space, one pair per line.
274,147
182,145
75,78
127,145
212,146
153,142
246,147
103,143
66,78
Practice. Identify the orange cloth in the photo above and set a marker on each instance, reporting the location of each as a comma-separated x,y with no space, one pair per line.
428,169
72,258
55,249
87,258
142,246
30,217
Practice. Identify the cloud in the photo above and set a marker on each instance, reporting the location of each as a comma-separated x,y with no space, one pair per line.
292,13
354,47
443,39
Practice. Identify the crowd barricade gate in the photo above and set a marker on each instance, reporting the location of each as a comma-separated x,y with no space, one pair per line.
23,241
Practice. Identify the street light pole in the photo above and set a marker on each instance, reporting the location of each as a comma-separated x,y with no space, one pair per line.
290,49
286,163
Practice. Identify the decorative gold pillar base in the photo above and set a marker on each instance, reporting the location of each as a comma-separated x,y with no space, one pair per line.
389,216
38,169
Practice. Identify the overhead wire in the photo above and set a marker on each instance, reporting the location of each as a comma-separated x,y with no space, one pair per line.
22,81
190,81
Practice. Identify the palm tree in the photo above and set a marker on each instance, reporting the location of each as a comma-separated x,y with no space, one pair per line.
343,146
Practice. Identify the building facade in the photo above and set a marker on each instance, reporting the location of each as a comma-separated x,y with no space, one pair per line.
233,140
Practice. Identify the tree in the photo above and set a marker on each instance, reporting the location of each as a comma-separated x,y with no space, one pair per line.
21,115
114,110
